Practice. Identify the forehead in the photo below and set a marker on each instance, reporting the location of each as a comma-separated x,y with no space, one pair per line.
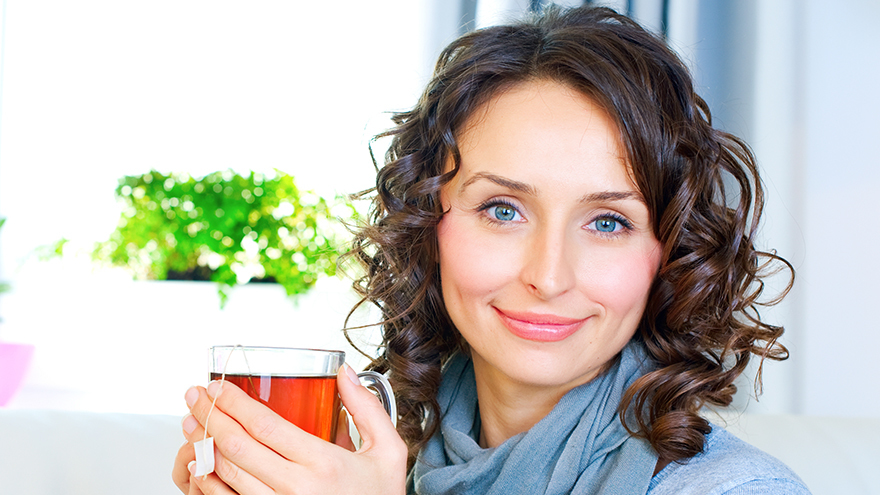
508,95
543,123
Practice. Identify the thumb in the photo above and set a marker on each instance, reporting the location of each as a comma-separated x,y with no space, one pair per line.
373,423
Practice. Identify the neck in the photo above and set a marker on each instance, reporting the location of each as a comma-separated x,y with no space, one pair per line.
508,408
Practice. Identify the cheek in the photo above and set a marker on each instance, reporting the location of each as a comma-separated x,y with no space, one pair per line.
622,281
471,267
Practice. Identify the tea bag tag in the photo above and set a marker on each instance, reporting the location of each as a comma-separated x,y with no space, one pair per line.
204,456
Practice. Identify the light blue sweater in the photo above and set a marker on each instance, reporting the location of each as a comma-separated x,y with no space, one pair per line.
727,466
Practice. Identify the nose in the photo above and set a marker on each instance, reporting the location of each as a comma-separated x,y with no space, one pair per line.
549,269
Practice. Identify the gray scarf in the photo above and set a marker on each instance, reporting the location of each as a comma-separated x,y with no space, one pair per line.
581,447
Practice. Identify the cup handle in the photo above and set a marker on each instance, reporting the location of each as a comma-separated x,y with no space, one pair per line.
379,383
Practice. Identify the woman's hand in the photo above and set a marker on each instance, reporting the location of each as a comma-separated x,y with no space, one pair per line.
257,451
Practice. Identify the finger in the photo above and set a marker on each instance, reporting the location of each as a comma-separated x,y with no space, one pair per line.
373,423
231,474
207,485
180,472
193,487
249,434
239,479
266,426
343,435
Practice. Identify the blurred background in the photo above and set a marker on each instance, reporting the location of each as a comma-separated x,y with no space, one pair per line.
95,90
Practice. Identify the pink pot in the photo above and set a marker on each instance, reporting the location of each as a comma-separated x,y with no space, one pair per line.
14,360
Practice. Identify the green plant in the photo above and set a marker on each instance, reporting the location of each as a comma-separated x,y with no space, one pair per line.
224,227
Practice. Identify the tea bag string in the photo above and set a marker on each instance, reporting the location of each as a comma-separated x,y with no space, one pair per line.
214,401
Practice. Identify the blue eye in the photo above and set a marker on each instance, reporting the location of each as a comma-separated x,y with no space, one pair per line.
504,213
610,224
500,211
606,225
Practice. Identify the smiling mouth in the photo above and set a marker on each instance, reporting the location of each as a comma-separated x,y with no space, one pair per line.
539,327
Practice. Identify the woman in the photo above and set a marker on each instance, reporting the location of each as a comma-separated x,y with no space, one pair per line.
561,246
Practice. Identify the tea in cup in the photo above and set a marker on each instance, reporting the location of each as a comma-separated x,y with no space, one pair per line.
298,384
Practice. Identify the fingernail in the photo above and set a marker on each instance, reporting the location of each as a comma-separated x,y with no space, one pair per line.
214,388
189,423
351,374
192,395
191,467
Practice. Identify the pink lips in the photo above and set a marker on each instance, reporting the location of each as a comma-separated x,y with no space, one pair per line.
539,327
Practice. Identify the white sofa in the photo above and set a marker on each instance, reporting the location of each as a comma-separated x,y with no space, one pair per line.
45,452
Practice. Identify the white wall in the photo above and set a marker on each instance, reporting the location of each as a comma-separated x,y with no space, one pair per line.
840,213
124,346
813,128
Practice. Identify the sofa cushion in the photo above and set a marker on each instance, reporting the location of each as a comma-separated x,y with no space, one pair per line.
45,452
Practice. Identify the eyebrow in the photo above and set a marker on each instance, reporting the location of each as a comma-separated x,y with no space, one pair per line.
612,196
501,181
522,187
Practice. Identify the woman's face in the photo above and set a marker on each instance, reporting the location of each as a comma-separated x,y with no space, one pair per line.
547,253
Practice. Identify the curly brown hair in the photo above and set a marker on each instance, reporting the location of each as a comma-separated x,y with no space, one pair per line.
701,325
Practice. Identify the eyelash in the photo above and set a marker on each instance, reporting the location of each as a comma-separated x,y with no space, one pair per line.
494,203
624,223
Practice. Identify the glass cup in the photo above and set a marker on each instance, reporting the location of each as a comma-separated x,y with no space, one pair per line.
298,384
